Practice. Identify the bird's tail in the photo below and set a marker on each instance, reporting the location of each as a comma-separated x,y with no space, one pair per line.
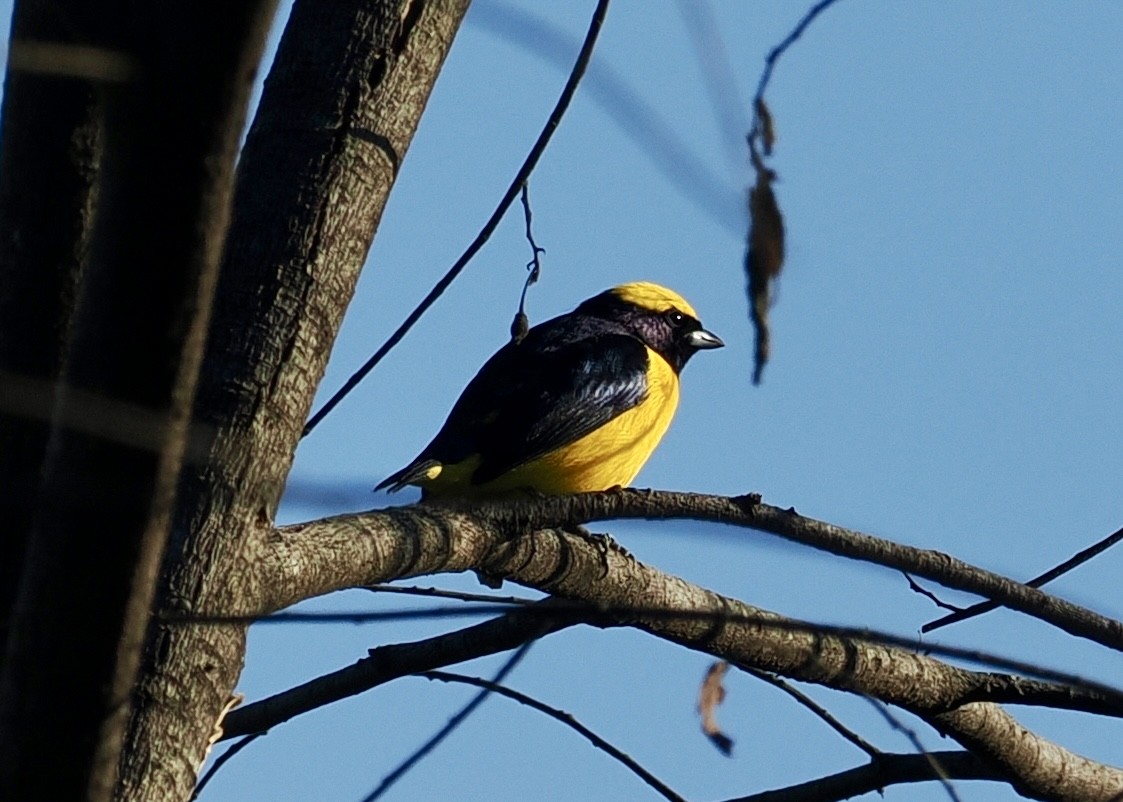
410,475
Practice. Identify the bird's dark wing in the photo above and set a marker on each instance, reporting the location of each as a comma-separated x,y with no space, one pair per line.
537,396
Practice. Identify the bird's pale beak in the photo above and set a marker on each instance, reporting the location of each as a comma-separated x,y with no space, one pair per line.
702,339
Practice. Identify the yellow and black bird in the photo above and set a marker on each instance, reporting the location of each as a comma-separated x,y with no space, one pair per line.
578,405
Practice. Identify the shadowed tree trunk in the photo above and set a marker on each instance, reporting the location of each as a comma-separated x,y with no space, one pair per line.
47,166
148,130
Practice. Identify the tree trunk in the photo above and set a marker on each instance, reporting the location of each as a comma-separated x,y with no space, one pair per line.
342,102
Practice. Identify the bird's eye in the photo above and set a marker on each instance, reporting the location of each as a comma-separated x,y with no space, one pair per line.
676,317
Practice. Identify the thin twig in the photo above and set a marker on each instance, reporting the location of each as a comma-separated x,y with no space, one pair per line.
1075,560
915,587
221,760
448,728
493,222
669,149
534,265
520,325
564,718
759,125
914,739
817,709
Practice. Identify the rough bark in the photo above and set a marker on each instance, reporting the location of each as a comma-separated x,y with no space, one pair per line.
340,107
169,123
344,551
748,510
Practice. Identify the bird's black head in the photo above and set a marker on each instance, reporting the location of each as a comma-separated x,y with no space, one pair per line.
660,318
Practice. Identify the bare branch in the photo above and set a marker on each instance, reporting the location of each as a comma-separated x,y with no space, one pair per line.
1035,766
818,710
937,768
749,512
222,760
521,322
461,716
1075,560
353,533
917,588
877,774
1053,688
568,720
1061,690
311,559
778,51
360,549
387,663
764,252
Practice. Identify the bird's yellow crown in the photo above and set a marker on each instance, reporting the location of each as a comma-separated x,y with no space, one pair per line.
652,296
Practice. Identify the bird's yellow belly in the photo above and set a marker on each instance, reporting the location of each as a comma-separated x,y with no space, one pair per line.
607,457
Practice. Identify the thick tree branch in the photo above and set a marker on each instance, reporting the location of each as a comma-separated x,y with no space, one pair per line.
749,512
306,560
361,549
568,566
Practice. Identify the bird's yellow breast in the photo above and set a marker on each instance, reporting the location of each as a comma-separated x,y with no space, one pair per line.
607,457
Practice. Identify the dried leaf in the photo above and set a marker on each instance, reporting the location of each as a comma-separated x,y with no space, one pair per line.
763,261
710,696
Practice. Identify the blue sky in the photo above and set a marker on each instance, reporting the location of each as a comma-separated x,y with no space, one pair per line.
946,368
